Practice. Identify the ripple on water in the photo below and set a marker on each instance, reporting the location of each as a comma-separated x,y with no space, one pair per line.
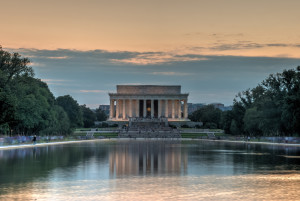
241,187
288,156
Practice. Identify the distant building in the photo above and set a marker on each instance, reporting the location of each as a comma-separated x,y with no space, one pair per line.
148,101
221,106
227,108
192,107
217,105
105,108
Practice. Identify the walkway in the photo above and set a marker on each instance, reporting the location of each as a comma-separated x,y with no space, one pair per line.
19,146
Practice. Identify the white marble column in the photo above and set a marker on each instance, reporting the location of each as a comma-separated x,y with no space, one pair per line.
145,109
114,109
111,109
166,109
179,109
185,109
137,112
124,109
159,108
152,108
130,108
117,109
173,109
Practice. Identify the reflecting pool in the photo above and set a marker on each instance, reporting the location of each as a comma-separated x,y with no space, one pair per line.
151,170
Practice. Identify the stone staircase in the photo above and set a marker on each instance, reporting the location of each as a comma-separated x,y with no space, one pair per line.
149,128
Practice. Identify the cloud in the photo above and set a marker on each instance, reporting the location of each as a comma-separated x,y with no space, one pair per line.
53,80
61,57
214,35
76,58
36,64
205,77
104,59
249,45
226,35
236,46
131,83
158,58
58,82
170,73
92,91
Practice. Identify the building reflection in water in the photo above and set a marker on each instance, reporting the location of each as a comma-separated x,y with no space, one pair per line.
146,157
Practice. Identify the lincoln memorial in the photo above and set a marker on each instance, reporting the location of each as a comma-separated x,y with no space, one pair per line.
148,101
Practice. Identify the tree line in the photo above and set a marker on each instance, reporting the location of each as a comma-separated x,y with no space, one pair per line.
27,106
270,109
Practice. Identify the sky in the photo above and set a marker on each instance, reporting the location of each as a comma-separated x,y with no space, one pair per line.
212,48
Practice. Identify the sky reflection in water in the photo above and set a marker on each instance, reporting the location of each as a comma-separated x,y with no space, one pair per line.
150,170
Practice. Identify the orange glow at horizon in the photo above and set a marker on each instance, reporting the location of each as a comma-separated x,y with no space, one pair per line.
172,26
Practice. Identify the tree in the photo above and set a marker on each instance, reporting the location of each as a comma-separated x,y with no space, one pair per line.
271,108
27,105
100,115
36,110
233,128
291,103
226,118
89,117
61,123
7,108
252,121
11,67
238,112
72,109
209,115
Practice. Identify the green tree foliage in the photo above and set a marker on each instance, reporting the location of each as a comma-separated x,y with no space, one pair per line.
59,124
238,112
209,115
36,111
26,104
100,115
7,108
232,121
271,108
226,118
89,117
72,109
252,121
11,66
233,128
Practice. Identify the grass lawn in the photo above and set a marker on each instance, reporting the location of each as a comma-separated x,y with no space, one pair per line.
197,135
106,135
220,134
193,135
82,129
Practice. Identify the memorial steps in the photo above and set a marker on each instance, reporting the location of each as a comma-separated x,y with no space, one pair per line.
149,128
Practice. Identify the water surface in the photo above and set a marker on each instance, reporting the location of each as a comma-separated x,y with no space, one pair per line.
151,170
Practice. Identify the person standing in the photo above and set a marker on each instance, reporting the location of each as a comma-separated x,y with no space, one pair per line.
34,139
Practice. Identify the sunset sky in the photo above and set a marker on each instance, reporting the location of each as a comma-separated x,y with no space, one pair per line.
213,48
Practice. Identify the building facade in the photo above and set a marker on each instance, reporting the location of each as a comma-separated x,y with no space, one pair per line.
192,107
105,108
148,101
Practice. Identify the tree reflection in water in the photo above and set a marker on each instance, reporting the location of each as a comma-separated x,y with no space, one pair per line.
187,170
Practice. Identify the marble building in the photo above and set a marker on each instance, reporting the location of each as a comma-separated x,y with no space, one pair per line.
148,101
